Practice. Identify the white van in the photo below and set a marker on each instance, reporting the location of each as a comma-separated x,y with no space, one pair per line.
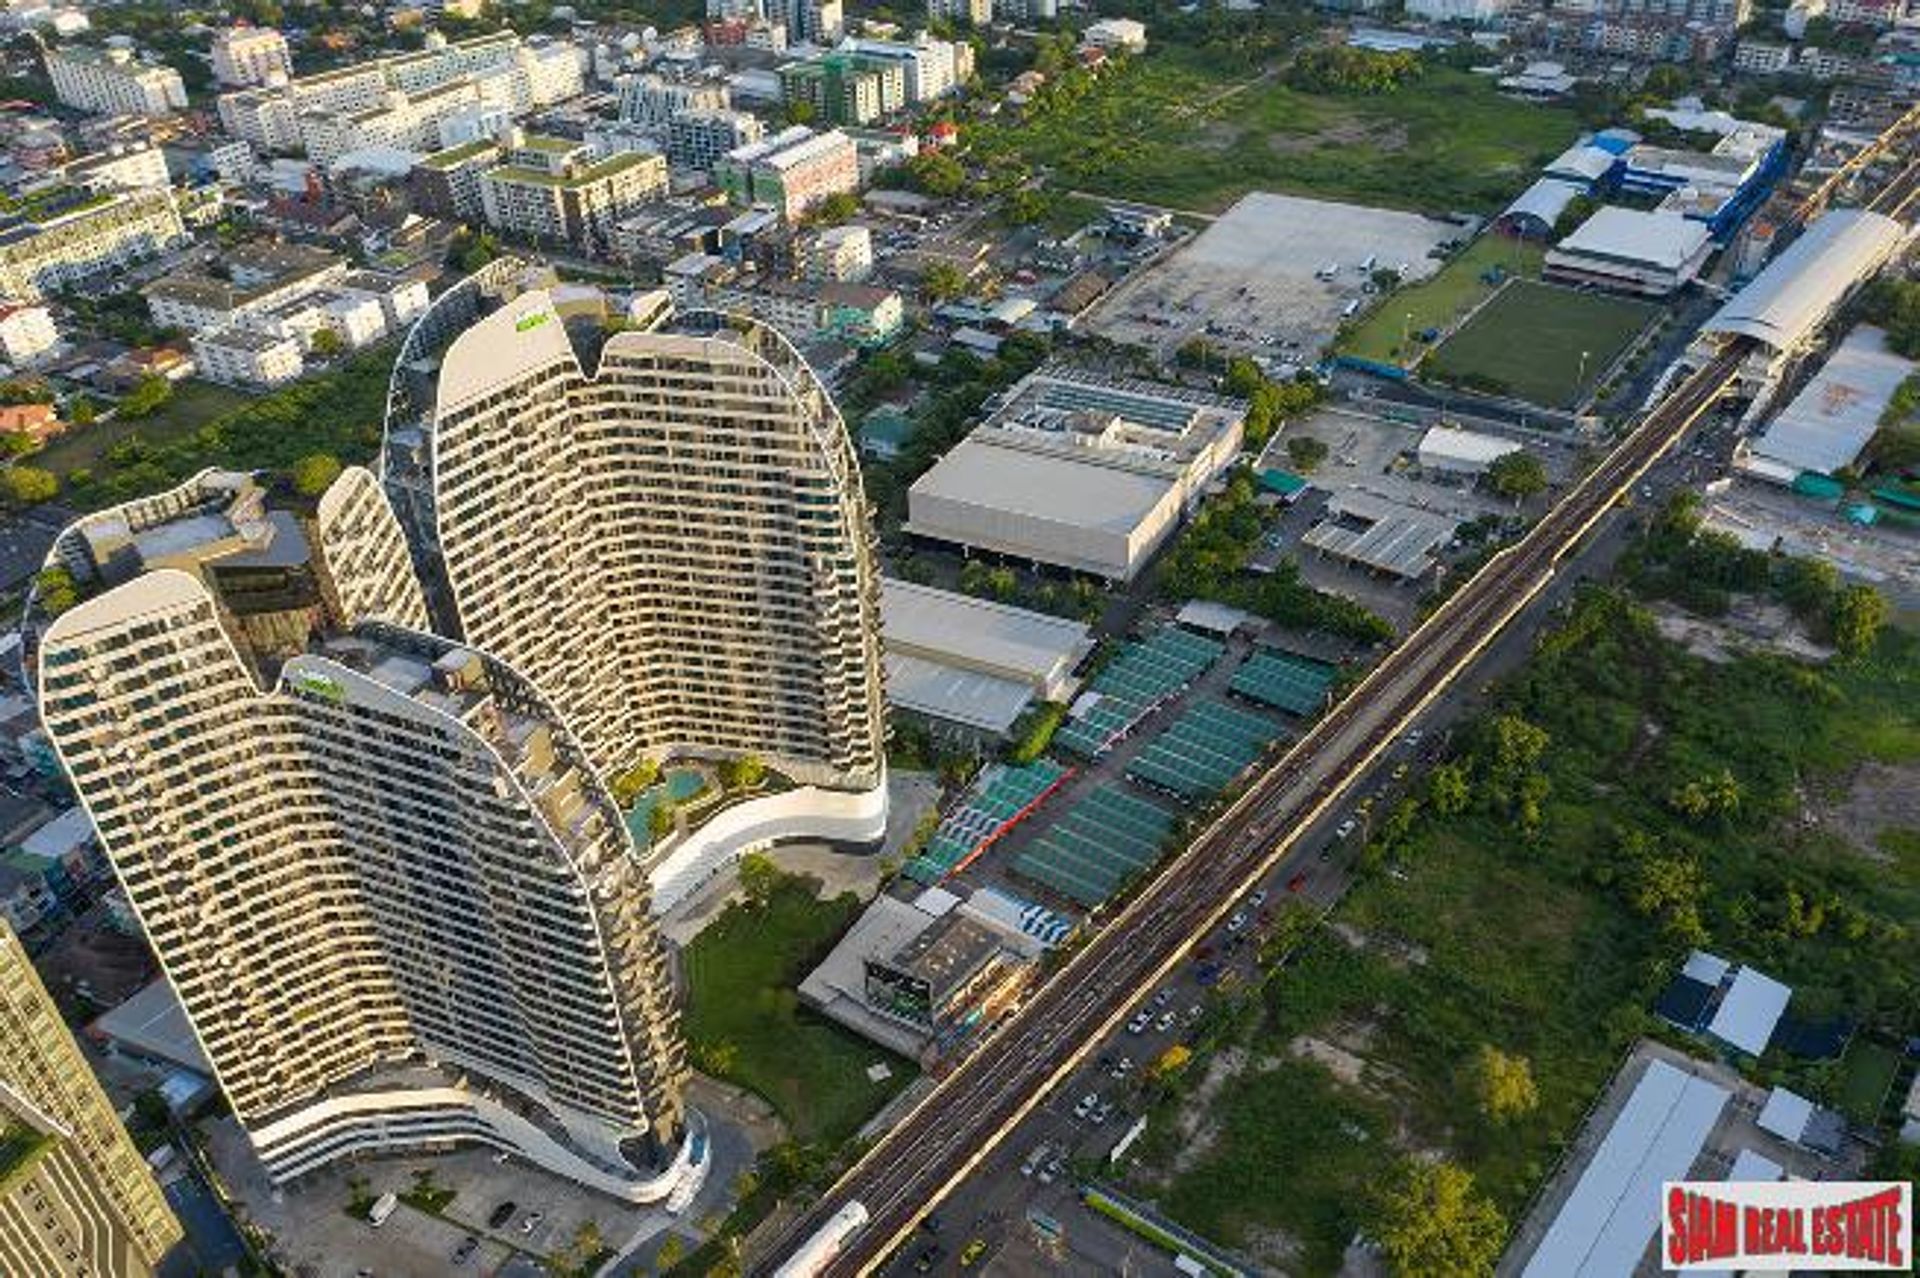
382,1208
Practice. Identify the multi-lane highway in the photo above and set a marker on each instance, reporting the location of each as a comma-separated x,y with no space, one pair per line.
939,1141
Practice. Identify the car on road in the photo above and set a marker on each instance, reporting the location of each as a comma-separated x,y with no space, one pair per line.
1297,882
1347,827
464,1252
1086,1105
1139,1023
1166,1022
1237,922
532,1222
1258,899
502,1214
971,1255
927,1259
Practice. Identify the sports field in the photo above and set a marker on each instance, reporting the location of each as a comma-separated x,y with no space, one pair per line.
1539,342
1459,286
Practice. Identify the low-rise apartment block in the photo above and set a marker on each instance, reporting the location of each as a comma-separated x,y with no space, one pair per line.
244,56
446,184
791,171
551,189
840,254
113,82
243,357
62,238
655,100
256,278
846,88
701,139
856,314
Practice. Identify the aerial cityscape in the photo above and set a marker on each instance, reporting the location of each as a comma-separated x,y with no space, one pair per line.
799,638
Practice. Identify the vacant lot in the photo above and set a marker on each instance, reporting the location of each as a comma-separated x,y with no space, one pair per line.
745,1023
1168,130
194,403
1389,335
1540,343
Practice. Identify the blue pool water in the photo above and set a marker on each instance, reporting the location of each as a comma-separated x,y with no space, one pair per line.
677,784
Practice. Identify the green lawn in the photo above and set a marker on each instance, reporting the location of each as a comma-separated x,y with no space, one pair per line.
1168,129
1441,301
743,1013
1539,342
1866,1073
193,405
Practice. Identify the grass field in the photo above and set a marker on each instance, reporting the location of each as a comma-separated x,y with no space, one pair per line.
1439,302
1541,343
742,1009
1169,130
1866,1072
194,404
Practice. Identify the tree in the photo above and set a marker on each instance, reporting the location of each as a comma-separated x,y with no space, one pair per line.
146,397
670,1253
800,111
1858,615
28,485
759,878
1306,453
1518,474
56,590
936,173
626,787
1431,1223
82,410
327,343
836,208
743,773
1026,206
1449,790
1503,1085
943,281
313,473
662,818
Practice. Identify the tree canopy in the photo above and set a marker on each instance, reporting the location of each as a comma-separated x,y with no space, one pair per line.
1432,1223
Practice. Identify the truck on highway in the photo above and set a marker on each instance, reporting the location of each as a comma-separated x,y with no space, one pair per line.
816,1253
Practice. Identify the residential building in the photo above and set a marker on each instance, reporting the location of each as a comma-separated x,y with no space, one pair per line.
550,189
846,88
730,606
76,1198
839,253
245,56
124,166
446,184
65,238
255,278
700,139
1756,57
27,332
1116,35
1026,10
976,13
654,100
113,82
398,906
791,171
238,356
38,422
930,68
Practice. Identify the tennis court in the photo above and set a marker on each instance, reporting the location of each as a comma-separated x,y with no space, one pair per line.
1209,745
1142,677
1097,845
999,798
1297,685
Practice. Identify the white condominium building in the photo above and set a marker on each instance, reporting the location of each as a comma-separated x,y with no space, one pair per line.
676,549
112,82
61,242
555,190
75,1195
245,56
791,171
654,101
396,902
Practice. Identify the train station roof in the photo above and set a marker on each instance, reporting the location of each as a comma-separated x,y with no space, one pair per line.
1798,290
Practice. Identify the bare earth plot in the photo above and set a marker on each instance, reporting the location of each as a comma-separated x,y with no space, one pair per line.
1251,282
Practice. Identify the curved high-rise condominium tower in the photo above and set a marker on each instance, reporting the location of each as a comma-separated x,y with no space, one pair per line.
397,904
673,545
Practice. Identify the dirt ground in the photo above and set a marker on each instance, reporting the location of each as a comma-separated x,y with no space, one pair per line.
1752,624
1876,798
92,956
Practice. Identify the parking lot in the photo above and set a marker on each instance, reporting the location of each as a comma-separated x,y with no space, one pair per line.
1274,276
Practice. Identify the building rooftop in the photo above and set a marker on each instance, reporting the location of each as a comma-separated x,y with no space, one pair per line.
949,952
1668,241
454,155
1834,416
1797,290
981,635
597,171
995,471
972,698
1750,1010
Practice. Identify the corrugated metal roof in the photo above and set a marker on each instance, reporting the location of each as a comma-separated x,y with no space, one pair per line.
1752,1007
1836,413
1604,1226
1800,288
1545,200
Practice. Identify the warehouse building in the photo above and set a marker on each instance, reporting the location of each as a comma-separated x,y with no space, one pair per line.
1448,450
1380,536
1833,417
971,666
1079,472
1652,254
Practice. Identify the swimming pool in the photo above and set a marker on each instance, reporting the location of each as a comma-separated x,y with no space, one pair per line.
676,784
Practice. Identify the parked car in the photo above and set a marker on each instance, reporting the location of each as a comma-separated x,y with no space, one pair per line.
1258,899
464,1252
532,1222
1297,882
1139,1023
1237,922
971,1255
927,1259
502,1214
1166,1022
1086,1105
